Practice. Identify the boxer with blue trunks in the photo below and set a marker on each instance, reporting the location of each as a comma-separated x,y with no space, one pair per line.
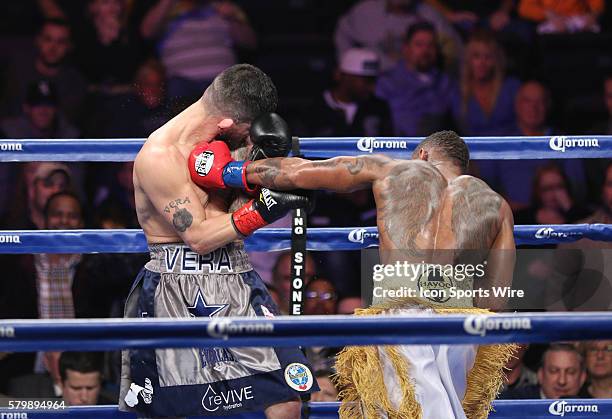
198,266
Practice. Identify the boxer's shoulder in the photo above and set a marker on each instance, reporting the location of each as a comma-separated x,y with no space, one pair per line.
158,150
471,184
404,173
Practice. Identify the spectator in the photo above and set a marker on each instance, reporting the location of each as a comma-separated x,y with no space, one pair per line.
485,105
598,355
380,25
418,93
53,43
108,52
282,277
44,287
561,375
196,40
513,177
38,181
350,107
555,16
604,213
551,199
41,115
81,377
328,392
582,274
518,375
532,105
321,297
597,167
54,273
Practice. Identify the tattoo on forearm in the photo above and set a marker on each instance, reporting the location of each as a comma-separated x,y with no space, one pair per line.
182,220
354,166
325,163
268,172
176,203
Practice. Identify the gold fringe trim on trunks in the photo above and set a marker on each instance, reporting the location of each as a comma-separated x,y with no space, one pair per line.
360,378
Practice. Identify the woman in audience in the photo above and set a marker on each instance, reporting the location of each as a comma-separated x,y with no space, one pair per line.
485,105
551,200
598,357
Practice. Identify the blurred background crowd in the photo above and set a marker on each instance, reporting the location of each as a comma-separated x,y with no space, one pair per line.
122,68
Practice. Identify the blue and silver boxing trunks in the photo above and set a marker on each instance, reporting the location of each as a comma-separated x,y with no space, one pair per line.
179,283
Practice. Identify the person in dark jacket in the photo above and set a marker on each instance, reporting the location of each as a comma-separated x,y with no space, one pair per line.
350,108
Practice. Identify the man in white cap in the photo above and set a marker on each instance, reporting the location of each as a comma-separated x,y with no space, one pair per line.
350,108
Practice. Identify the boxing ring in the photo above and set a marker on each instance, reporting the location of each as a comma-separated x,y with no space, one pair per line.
112,334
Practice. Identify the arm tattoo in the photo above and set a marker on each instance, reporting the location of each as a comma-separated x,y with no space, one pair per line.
182,220
268,171
176,203
325,163
355,166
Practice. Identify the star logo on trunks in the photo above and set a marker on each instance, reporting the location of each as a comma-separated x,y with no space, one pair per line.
200,308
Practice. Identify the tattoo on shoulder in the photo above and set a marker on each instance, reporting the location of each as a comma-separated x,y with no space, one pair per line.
176,204
182,220
355,166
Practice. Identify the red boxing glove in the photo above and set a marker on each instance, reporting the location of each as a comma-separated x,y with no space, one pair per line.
206,164
266,208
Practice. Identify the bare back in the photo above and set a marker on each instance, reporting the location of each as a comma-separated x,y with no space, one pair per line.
419,209
433,220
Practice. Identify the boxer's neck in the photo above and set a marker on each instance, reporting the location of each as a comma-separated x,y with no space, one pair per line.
194,124
448,170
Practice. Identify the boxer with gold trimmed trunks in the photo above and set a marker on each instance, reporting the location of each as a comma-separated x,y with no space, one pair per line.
198,265
429,212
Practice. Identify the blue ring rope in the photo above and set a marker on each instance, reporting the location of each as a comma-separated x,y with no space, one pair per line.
573,408
267,239
286,331
481,148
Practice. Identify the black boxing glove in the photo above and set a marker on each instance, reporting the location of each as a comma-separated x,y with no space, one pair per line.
270,136
268,207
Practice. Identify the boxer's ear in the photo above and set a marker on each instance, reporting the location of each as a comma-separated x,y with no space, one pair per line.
225,123
423,155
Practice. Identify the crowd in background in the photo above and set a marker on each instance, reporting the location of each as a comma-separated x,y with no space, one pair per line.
122,68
